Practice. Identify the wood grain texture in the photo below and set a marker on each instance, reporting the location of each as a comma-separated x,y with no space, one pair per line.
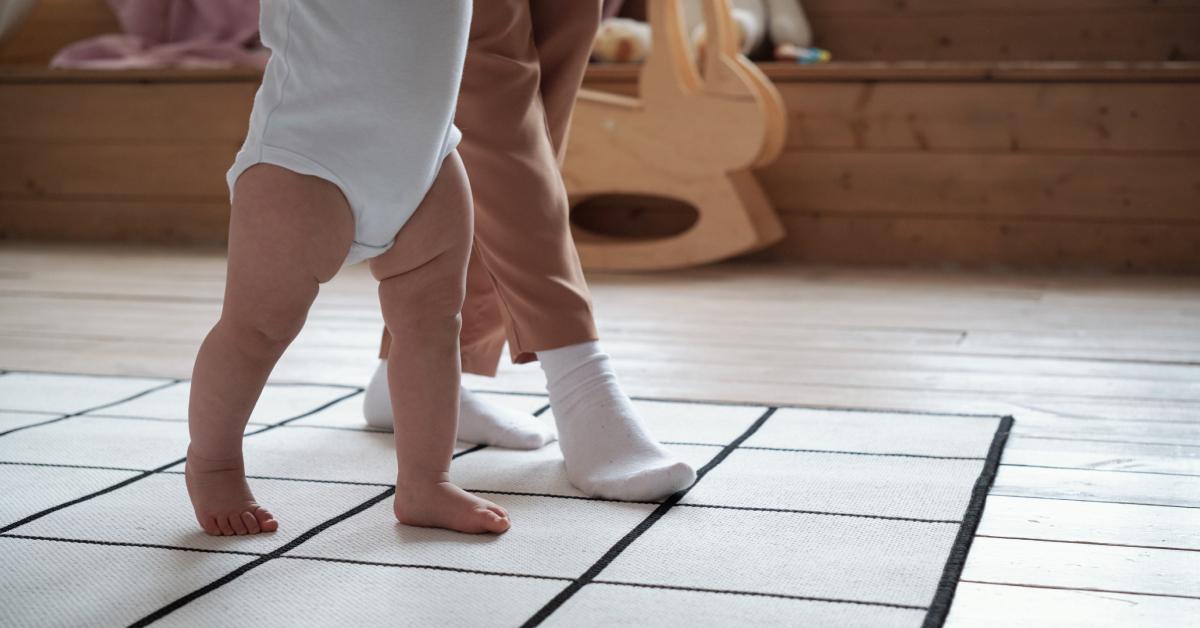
1091,522
130,112
982,116
976,166
116,171
1152,188
1072,565
181,222
1090,452
945,242
1099,486
1149,412
1005,606
1178,431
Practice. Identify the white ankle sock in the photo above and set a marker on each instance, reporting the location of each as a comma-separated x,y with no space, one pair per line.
478,421
606,449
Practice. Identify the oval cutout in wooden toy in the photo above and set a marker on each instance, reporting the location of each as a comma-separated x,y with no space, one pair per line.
633,216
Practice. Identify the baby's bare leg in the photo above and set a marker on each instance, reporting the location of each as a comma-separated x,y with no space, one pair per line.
288,233
422,281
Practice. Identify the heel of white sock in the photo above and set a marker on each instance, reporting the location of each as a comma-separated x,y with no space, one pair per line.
486,423
377,400
479,422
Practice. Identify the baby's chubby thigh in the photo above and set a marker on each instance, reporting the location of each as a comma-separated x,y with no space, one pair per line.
426,267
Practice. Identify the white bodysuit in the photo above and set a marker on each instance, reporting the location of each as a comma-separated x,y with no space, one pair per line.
361,93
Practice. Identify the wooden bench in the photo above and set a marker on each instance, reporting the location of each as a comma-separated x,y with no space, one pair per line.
975,162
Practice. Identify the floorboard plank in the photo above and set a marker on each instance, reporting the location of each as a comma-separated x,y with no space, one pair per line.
1099,486
1101,455
994,606
1079,566
1091,522
1178,430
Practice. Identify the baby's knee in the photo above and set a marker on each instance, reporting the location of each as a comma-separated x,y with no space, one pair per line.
410,303
263,332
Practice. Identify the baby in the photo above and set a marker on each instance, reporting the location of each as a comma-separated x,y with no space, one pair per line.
351,155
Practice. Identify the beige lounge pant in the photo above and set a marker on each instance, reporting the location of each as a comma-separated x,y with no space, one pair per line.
525,62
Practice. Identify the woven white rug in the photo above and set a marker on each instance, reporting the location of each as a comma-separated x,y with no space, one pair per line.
800,516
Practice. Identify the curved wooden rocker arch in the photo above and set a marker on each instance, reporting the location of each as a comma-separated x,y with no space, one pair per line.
688,136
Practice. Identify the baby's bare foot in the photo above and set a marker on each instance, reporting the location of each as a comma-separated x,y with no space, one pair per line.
440,504
223,502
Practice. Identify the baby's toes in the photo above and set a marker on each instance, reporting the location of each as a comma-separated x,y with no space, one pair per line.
223,525
498,510
493,521
209,525
251,523
266,520
239,526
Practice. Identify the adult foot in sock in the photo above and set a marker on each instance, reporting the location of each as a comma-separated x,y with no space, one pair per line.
479,422
607,450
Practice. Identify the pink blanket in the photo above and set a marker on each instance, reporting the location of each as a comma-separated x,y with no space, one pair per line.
173,34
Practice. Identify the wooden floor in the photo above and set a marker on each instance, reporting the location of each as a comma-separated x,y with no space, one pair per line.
1095,516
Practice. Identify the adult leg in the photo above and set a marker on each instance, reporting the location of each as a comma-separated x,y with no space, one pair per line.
288,233
522,235
524,65
530,65
525,62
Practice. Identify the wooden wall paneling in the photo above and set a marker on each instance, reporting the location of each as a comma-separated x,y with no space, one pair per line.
1078,35
116,171
993,116
993,243
127,111
1144,188
161,220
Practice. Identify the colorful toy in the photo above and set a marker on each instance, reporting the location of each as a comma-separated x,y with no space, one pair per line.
765,29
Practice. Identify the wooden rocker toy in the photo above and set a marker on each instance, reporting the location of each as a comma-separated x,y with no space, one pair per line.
689,136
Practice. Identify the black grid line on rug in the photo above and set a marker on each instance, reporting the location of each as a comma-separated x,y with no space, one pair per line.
278,552
936,611
590,575
102,406
145,474
237,573
482,491
782,596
